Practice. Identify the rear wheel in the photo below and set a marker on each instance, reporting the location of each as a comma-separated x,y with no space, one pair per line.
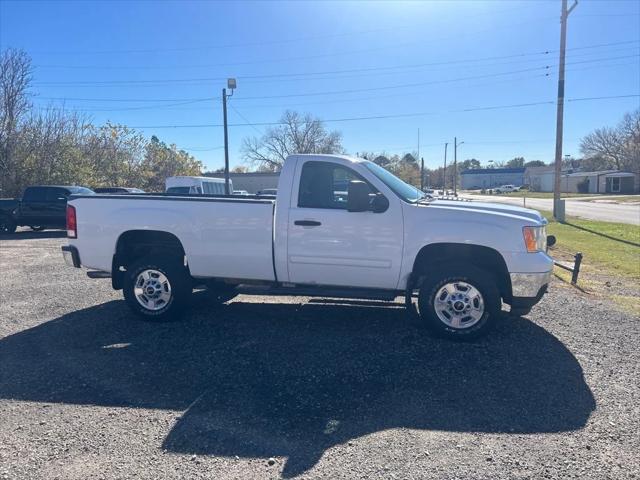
36,228
7,225
157,288
459,302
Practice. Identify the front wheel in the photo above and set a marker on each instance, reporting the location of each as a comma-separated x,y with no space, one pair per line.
157,288
459,302
7,225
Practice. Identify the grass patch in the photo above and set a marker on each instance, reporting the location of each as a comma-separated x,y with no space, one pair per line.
613,248
528,194
622,199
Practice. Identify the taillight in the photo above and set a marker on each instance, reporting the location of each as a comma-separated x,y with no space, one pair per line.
72,224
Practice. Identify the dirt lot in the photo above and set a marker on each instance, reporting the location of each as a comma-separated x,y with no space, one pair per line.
270,387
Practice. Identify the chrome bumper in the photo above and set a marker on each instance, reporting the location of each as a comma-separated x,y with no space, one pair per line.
529,284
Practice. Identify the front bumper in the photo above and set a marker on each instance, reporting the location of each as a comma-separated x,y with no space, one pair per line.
529,285
71,256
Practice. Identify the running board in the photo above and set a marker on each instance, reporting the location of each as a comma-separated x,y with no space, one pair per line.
311,291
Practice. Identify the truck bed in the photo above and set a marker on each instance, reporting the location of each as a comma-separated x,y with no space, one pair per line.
228,236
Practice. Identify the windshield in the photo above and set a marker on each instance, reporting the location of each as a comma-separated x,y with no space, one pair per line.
405,191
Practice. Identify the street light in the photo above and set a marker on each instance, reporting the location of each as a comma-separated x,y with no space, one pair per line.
231,85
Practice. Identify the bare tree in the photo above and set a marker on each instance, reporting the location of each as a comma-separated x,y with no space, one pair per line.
617,147
605,143
15,77
297,134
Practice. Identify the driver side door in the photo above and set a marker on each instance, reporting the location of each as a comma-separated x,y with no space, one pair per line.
328,245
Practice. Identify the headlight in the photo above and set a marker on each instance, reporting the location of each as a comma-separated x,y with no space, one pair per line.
535,239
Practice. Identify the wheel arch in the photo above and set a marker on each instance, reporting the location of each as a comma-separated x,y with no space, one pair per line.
433,255
134,244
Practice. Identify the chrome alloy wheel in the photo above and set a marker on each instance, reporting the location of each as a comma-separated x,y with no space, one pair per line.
152,289
459,305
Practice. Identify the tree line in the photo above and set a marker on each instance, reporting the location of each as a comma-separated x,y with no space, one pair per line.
54,146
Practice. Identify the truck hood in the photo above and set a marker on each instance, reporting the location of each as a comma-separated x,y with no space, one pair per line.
490,208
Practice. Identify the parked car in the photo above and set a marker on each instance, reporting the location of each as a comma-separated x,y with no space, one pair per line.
117,190
240,192
506,189
386,240
40,207
197,185
268,191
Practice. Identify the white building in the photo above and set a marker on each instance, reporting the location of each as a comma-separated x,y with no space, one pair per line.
541,179
252,182
491,177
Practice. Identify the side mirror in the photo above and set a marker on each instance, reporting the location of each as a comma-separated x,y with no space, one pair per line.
379,204
551,240
358,196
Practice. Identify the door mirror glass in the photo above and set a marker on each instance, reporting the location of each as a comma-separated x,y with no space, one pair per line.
358,199
379,204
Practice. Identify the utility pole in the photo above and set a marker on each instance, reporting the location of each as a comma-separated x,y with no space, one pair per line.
421,173
560,109
419,150
226,142
455,164
444,172
231,84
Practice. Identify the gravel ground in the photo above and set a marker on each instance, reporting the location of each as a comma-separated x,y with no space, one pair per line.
268,387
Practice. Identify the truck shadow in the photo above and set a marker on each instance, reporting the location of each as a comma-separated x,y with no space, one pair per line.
293,380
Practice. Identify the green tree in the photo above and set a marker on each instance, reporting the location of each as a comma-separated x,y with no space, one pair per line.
162,161
516,162
534,163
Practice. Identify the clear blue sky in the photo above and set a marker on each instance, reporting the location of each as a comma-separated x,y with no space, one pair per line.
132,62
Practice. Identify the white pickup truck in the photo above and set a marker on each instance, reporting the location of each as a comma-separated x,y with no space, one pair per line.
339,227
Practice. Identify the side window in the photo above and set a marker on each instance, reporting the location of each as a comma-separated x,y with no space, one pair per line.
35,194
325,185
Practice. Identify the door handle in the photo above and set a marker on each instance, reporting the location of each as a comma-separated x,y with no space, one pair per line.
307,223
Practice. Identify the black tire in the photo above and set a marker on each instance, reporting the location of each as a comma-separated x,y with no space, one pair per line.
36,228
220,293
481,280
519,312
7,225
178,279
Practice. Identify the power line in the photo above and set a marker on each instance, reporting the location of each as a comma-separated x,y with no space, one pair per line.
286,105
545,68
420,84
246,119
295,75
388,116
